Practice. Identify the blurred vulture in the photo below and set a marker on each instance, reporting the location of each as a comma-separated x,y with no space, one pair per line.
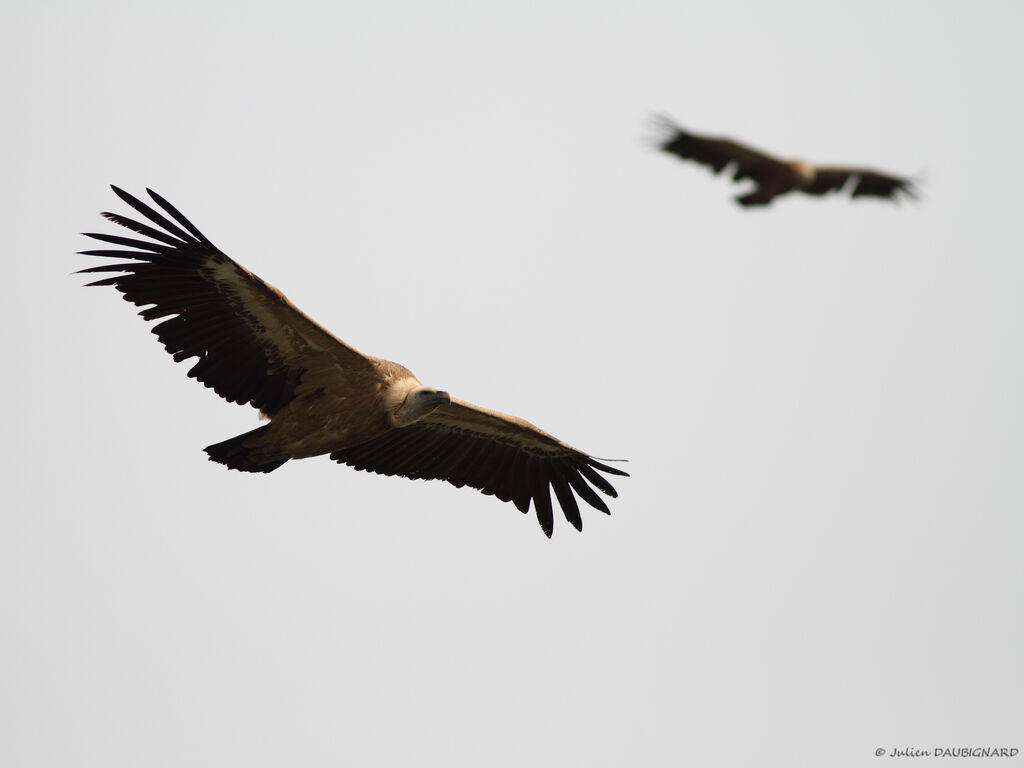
321,395
773,176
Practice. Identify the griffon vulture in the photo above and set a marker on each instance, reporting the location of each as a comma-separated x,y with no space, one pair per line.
321,395
773,176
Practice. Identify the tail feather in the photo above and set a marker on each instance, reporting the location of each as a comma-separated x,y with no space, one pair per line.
245,454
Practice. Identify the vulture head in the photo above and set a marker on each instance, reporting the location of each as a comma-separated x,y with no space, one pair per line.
805,173
418,402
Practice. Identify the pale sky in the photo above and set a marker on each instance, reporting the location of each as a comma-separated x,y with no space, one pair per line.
818,553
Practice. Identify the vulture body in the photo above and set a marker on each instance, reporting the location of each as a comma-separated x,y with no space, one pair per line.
321,395
773,176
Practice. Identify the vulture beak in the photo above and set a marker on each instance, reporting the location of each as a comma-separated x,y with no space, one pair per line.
444,398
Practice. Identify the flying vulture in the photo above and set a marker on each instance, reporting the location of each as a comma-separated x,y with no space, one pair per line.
773,176
321,395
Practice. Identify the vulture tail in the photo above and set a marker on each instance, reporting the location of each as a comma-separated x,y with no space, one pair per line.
245,453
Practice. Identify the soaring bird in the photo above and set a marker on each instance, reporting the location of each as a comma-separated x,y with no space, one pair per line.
773,176
321,395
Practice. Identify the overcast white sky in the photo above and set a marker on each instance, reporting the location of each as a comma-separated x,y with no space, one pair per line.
818,553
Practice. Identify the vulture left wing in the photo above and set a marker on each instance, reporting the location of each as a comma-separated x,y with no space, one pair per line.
867,182
497,454
253,345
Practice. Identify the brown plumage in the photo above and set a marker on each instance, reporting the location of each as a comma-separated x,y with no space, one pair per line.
774,177
321,395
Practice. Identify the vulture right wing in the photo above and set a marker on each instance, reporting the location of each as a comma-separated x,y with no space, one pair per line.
253,345
717,153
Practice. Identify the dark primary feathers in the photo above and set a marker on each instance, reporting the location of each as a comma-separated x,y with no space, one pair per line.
774,176
322,396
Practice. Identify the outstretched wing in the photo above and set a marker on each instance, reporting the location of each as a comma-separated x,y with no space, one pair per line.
864,182
253,345
500,455
718,153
